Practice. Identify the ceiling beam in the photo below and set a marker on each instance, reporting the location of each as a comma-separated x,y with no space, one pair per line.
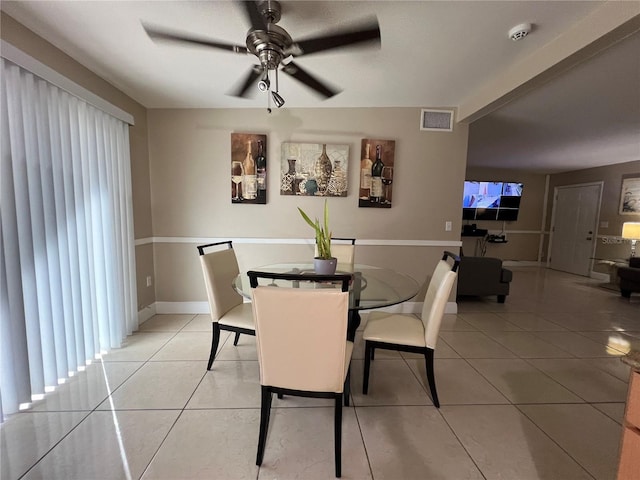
607,25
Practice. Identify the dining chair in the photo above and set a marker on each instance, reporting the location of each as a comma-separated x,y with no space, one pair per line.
228,311
408,333
301,335
343,249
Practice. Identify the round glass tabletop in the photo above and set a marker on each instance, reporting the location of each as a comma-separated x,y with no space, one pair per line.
372,287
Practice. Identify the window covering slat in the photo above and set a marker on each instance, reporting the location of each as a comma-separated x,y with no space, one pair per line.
66,240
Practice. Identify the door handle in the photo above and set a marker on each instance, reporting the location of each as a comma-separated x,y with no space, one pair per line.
588,238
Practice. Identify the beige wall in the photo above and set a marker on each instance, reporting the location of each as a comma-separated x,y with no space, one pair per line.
191,189
524,234
180,163
608,235
33,45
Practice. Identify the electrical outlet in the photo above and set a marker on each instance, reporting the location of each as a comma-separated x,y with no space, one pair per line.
149,281
447,226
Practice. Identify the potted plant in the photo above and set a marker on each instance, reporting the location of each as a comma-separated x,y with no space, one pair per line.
324,263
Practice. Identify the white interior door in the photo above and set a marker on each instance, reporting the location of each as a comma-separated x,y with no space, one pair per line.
573,233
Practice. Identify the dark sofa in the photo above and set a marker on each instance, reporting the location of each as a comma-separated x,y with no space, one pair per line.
630,277
482,276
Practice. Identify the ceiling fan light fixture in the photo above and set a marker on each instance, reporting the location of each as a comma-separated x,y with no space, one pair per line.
264,83
520,31
277,99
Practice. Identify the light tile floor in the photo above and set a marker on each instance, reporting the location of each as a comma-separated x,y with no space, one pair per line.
530,389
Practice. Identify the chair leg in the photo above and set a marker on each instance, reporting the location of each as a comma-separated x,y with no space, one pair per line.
235,340
353,324
214,344
347,387
265,410
367,364
428,356
338,436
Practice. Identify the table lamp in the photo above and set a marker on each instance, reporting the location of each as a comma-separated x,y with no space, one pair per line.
631,231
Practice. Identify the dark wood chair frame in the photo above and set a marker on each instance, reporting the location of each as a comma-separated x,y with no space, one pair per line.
370,348
352,240
217,327
268,390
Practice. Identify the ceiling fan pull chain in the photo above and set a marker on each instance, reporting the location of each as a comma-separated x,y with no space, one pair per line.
268,104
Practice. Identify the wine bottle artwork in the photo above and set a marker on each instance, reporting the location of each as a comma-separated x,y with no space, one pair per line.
376,177
387,179
261,173
237,173
375,193
248,154
365,174
320,169
250,181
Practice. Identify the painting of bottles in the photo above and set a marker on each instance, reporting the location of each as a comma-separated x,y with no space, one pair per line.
314,169
377,165
248,168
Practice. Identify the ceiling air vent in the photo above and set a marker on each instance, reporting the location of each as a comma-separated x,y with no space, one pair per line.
436,120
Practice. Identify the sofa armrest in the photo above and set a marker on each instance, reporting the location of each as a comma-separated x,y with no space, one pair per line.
482,276
631,274
507,275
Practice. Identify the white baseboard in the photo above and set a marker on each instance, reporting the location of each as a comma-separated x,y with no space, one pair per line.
146,313
523,263
203,308
604,277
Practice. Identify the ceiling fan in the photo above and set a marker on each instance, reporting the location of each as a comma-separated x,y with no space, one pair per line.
275,49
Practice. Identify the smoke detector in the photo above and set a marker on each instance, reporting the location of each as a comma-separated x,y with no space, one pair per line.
519,31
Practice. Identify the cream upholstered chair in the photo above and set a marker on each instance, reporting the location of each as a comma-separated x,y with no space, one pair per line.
302,347
228,312
343,249
407,333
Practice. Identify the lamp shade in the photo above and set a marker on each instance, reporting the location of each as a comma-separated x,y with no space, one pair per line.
631,230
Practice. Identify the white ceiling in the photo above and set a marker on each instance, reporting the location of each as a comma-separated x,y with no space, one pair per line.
433,54
588,116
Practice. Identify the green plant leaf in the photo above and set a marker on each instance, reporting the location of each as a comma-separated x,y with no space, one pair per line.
307,219
323,241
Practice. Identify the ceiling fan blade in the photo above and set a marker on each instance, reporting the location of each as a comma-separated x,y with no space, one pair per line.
309,80
366,33
256,19
252,76
156,33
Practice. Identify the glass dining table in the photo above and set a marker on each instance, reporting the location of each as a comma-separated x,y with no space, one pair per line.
372,287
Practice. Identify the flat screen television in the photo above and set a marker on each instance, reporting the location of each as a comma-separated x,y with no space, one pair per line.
491,200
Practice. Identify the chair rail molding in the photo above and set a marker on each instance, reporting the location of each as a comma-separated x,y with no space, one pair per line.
297,241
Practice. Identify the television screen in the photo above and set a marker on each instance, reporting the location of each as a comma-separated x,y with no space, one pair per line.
491,200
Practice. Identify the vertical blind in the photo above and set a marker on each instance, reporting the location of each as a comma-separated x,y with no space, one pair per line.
67,265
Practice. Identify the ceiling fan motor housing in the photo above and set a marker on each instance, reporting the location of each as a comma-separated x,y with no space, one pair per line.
269,46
